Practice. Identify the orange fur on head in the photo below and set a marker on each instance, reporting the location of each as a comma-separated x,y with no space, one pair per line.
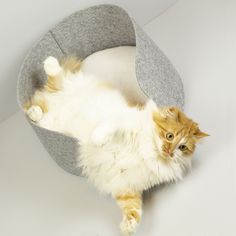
174,123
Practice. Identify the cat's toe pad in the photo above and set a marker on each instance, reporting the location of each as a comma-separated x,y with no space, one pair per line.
35,113
128,226
51,66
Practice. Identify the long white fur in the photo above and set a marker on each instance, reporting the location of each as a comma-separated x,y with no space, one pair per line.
119,146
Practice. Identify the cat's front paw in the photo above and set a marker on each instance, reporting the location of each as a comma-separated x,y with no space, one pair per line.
103,134
52,66
128,225
99,137
35,113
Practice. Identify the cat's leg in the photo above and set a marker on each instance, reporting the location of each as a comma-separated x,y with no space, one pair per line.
130,204
54,73
38,104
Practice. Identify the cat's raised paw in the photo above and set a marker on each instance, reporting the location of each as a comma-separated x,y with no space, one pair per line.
128,226
98,138
35,113
52,66
102,134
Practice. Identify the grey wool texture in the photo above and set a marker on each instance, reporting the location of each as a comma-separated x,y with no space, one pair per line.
81,34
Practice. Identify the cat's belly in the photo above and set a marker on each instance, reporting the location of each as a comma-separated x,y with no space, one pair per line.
115,168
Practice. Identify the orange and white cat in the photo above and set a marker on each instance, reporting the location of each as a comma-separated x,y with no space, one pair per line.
124,149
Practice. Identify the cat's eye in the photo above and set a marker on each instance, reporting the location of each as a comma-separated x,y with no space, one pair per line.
182,147
169,136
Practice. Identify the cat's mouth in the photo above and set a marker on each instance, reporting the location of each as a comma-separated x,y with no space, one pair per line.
165,157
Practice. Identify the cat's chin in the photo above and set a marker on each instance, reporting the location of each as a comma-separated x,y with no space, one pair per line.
165,157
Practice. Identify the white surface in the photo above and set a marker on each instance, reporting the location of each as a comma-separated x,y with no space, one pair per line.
38,198
23,22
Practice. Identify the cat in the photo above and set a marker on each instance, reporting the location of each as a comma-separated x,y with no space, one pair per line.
125,149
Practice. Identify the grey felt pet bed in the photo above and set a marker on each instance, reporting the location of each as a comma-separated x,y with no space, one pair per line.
81,34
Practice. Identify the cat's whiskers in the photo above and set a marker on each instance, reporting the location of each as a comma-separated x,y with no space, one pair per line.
184,164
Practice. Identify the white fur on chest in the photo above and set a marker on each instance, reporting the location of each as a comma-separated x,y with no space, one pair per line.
127,164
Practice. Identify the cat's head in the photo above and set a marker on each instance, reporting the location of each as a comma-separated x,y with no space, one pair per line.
177,134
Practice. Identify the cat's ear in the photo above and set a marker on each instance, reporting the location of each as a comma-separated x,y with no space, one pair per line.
170,112
198,134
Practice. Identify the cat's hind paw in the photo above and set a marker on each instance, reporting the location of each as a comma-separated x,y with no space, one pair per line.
35,113
52,66
128,226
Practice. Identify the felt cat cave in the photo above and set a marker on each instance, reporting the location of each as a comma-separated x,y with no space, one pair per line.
81,34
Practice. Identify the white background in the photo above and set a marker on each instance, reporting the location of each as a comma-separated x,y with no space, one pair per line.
38,198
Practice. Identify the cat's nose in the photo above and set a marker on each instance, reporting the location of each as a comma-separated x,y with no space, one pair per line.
168,151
